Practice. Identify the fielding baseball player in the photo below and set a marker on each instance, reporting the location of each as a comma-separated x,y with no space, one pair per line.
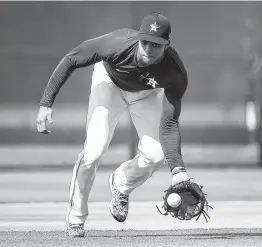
134,70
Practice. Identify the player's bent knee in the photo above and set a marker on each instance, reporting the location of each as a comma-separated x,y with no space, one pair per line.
157,158
153,151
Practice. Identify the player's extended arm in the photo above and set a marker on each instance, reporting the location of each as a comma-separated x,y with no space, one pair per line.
87,53
170,138
193,200
78,57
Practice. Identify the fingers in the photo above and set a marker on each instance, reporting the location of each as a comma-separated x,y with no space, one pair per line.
45,113
49,118
41,126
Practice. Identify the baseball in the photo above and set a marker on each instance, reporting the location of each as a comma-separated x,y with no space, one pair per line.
174,200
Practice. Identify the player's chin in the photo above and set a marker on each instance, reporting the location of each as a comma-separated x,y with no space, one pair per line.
148,60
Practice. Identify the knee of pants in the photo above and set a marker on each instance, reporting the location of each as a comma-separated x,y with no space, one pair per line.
152,150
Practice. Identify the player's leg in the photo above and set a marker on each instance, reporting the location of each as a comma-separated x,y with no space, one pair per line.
146,115
105,107
145,109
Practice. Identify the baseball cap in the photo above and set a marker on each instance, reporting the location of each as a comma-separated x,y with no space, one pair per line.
155,28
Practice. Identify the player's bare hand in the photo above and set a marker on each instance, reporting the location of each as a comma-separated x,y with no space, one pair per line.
44,114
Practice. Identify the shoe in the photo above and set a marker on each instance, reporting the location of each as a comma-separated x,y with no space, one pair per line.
75,230
119,202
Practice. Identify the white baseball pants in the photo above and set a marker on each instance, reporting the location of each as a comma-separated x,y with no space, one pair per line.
106,104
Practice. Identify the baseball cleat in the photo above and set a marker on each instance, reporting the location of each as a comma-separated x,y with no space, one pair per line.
75,230
119,202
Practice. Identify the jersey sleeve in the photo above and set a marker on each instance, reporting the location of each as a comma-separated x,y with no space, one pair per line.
87,53
176,89
97,49
178,80
170,137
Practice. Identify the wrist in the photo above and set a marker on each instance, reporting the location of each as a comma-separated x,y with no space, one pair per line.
179,175
177,170
45,105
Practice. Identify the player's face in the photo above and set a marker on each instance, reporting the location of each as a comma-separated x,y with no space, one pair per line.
149,52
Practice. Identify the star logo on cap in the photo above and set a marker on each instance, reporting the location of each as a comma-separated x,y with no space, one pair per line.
152,82
154,27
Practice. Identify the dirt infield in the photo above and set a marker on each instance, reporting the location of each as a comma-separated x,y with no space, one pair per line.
32,212
128,238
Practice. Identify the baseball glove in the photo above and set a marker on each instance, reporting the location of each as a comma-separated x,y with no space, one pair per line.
193,201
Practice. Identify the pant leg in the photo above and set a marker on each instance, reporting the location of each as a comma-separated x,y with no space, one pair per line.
106,105
145,109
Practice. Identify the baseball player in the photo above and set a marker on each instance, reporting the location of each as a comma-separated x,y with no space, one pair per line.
134,70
